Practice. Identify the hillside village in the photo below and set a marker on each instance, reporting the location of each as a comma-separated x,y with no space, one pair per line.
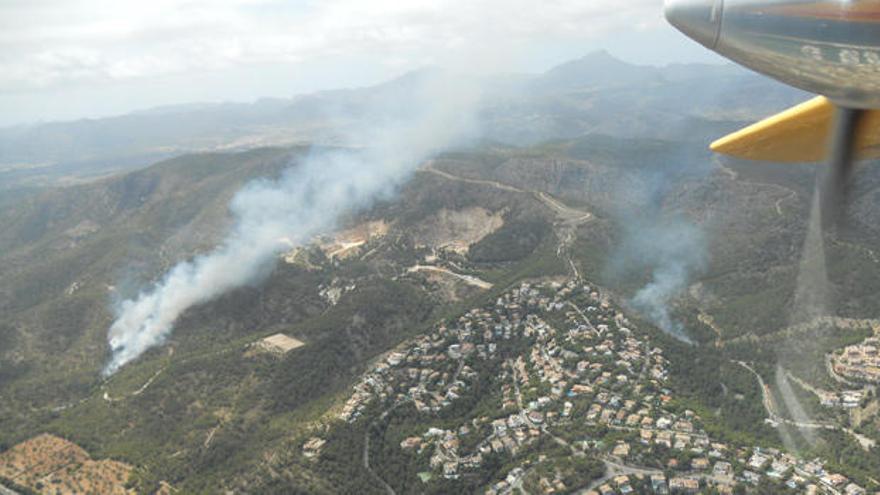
859,362
565,361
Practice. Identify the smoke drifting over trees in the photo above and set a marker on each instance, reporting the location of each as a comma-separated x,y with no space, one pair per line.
308,199
672,251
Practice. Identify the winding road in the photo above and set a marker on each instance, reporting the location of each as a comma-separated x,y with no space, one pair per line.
373,426
565,212
734,176
569,217
767,398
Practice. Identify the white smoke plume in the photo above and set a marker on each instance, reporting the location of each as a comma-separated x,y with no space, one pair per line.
668,281
308,199
673,251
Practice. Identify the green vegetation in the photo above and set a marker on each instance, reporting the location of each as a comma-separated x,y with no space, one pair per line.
804,354
574,471
725,395
360,327
846,455
513,242
215,416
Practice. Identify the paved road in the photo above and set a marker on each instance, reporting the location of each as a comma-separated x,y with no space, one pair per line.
770,406
865,442
385,486
766,397
614,468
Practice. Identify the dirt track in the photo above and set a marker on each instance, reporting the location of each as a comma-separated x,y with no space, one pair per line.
470,280
565,212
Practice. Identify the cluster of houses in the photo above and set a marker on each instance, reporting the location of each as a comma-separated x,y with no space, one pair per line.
811,476
847,399
595,358
561,355
724,469
424,370
656,483
861,362
432,371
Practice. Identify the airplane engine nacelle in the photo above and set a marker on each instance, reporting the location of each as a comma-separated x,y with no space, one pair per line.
829,47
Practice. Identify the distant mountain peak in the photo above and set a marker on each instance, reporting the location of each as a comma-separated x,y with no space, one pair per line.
599,56
595,59
598,68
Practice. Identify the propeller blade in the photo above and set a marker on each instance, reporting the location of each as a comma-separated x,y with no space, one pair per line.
841,163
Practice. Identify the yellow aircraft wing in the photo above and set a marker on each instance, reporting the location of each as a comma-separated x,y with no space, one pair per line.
799,134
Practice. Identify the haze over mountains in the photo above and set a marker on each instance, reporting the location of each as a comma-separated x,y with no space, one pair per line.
594,94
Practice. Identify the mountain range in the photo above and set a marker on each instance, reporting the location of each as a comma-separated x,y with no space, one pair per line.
596,93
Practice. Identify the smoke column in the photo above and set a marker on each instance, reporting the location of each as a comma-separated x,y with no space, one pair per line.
657,241
306,200
673,251
670,249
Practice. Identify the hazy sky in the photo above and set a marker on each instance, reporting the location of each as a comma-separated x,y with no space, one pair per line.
63,59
